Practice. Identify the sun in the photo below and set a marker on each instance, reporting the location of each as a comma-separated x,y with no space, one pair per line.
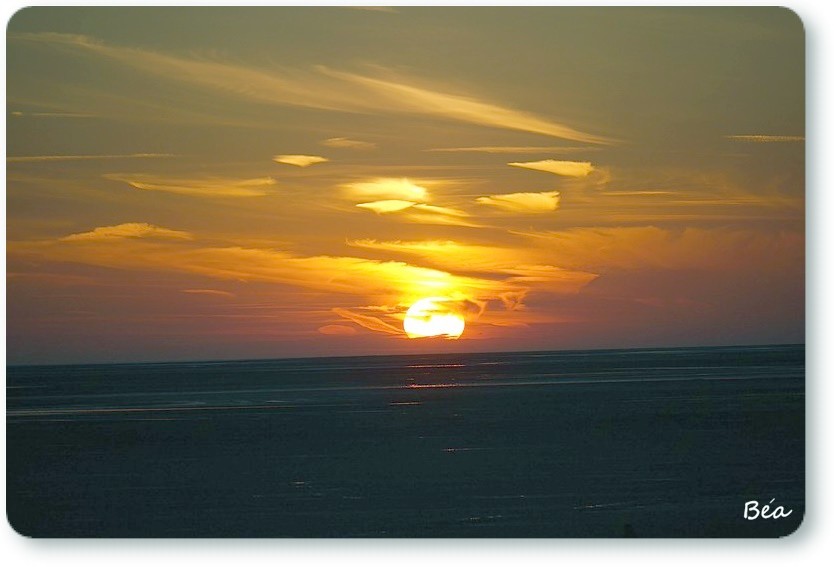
429,317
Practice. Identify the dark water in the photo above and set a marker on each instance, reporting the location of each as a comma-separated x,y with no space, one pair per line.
646,443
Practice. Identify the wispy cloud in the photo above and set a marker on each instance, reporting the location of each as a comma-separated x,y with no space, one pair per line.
640,247
517,149
368,321
342,330
452,254
299,160
407,97
385,9
128,230
387,206
85,157
441,210
519,264
523,202
21,114
566,168
348,143
320,88
215,292
765,139
200,187
420,212
635,193
130,247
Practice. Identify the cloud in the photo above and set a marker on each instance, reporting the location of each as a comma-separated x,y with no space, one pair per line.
566,168
441,210
521,264
387,206
764,139
450,253
493,274
368,321
636,193
523,202
128,230
300,160
516,149
386,188
201,187
319,88
15,159
386,9
383,282
420,212
650,247
405,97
283,87
216,292
20,114
348,143
341,330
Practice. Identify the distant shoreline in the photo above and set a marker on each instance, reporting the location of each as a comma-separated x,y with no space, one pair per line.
439,354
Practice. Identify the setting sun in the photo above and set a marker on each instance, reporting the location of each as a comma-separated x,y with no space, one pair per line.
429,317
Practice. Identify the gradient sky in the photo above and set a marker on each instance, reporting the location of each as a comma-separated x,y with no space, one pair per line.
215,183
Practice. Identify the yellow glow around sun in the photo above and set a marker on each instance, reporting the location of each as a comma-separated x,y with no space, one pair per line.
429,317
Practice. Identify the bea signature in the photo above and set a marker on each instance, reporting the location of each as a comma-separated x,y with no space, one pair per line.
752,511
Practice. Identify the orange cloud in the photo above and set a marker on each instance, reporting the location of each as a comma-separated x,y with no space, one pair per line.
519,265
368,321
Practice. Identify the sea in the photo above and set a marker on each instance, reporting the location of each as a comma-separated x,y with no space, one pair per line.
647,443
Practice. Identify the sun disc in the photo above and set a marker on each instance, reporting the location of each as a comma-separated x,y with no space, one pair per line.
431,317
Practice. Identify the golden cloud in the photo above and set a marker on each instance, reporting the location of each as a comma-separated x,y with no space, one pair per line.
128,230
386,188
523,202
515,264
441,210
299,160
565,168
387,206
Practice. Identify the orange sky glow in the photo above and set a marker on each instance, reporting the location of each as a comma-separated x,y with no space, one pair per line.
291,183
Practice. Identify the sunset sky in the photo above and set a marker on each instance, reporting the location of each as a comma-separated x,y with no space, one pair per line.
215,183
